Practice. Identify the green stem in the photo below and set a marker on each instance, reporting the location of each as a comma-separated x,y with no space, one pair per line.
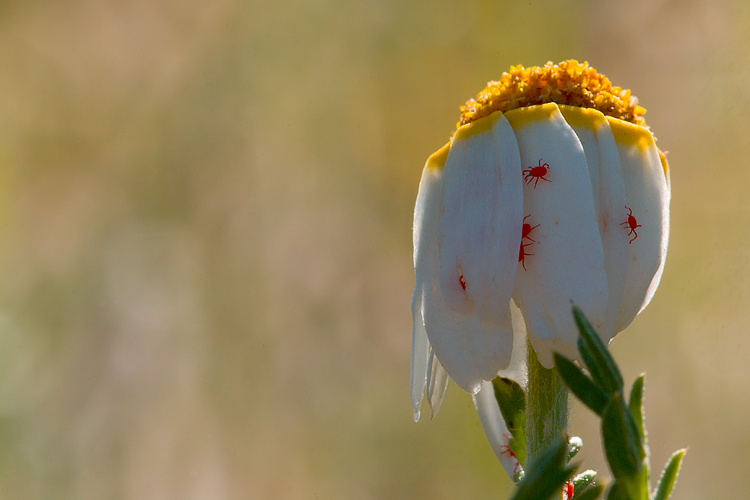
546,407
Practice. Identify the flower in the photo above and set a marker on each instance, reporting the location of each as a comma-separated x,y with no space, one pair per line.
551,191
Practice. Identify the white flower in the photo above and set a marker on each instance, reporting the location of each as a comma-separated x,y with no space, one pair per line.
542,200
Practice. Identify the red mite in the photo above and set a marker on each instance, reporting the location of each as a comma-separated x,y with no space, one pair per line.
522,254
462,281
526,230
536,173
632,224
569,490
507,451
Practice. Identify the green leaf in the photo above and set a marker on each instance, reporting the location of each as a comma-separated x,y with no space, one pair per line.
669,475
547,475
627,489
621,446
580,385
574,446
618,491
590,493
603,368
640,484
512,402
623,427
636,405
582,480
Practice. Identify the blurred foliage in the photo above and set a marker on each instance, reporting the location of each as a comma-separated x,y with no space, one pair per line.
206,211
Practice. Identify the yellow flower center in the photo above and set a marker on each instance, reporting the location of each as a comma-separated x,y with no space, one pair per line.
570,83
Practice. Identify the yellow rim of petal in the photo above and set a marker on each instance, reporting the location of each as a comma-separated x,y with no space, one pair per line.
640,137
523,116
477,126
632,135
665,166
568,83
438,158
583,117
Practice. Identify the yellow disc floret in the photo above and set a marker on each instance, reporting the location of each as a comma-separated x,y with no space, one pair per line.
570,83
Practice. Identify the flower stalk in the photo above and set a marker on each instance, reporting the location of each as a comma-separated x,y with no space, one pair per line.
546,407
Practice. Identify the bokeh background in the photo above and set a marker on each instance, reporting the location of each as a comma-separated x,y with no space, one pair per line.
205,240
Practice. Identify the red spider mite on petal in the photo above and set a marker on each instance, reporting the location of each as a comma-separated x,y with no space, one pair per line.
522,254
505,450
536,173
462,281
526,230
632,224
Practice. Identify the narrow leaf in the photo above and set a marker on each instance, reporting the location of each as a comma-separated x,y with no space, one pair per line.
582,480
547,475
669,476
588,360
622,448
574,446
618,491
603,368
590,493
512,402
580,385
640,485
636,405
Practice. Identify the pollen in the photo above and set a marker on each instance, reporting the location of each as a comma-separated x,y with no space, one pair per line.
569,83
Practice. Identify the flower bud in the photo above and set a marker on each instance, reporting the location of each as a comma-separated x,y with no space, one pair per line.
551,192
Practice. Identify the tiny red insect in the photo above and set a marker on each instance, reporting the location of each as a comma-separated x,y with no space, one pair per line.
569,490
526,229
505,450
632,224
462,281
536,173
522,254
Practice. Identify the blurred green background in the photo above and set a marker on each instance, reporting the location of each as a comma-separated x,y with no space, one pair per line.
205,260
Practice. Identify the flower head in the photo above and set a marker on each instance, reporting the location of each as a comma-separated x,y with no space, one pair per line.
550,192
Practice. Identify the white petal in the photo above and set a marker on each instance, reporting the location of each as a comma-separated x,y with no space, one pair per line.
420,347
495,428
425,248
437,382
466,311
517,367
647,193
428,200
545,347
567,264
486,405
482,198
603,160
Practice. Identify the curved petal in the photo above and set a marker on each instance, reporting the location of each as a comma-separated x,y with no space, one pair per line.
425,241
493,423
495,428
647,193
466,310
608,189
565,260
420,347
437,382
428,200
517,367
482,202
